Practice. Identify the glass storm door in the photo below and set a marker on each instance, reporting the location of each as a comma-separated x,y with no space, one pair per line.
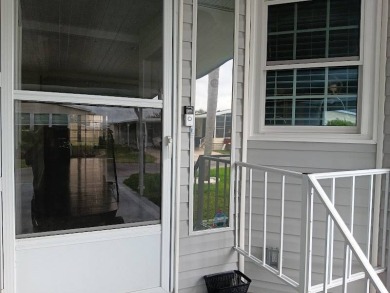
90,149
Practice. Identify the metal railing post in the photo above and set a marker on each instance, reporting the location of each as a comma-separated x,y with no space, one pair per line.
236,205
306,231
384,228
199,214
243,188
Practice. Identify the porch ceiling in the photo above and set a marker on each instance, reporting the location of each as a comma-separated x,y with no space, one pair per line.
97,40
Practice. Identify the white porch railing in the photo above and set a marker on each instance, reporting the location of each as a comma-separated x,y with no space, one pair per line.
285,186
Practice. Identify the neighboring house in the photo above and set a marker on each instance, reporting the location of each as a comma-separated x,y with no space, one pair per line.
310,100
222,129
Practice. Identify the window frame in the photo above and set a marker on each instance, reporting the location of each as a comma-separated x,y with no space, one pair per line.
368,67
236,41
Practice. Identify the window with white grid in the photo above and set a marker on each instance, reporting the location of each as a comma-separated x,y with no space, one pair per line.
313,63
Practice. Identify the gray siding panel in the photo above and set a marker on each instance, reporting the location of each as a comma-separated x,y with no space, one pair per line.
187,51
210,258
184,176
312,156
207,253
186,69
202,243
192,281
187,32
184,192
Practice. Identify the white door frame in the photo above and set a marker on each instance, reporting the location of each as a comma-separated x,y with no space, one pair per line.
9,11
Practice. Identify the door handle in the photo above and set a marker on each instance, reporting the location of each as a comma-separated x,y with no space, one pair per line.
169,141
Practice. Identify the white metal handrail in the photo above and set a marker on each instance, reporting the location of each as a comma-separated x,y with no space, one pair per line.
334,218
240,205
311,187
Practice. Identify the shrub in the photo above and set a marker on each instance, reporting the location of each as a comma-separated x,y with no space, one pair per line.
339,122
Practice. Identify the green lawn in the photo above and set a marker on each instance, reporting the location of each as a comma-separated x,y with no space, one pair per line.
124,154
215,196
223,152
152,185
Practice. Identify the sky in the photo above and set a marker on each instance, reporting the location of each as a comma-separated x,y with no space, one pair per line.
224,89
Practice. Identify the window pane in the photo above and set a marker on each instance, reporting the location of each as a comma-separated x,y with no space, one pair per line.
344,13
280,83
312,100
41,119
213,107
280,47
309,111
23,119
86,168
104,48
343,80
342,96
60,119
282,18
316,29
343,43
311,14
311,45
278,112
310,82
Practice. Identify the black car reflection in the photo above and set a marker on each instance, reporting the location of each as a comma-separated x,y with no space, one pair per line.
71,191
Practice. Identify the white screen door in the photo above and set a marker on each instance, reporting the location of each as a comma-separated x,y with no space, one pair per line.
88,105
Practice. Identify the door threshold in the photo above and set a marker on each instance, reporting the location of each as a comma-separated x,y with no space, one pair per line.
153,290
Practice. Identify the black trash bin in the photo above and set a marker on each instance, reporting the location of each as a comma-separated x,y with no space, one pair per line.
227,282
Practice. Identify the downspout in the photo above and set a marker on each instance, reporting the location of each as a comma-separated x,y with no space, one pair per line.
177,112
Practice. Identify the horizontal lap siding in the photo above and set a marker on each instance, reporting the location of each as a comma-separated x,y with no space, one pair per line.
307,158
209,253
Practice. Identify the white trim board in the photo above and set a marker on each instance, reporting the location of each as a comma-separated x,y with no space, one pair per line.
86,237
236,38
85,99
154,290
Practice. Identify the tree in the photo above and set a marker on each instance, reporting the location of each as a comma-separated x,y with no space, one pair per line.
212,102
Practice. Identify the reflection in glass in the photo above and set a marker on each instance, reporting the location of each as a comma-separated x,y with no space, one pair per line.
92,47
321,96
213,115
80,166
